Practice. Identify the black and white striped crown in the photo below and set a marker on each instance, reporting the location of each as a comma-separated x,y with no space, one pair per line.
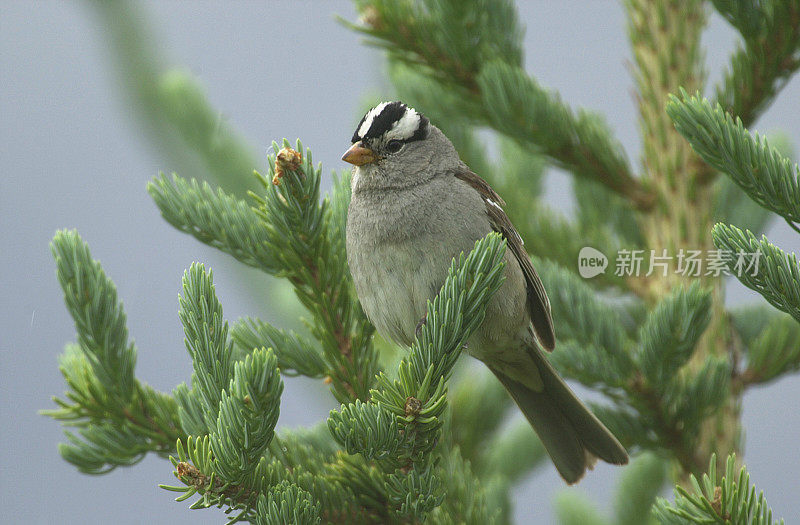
392,120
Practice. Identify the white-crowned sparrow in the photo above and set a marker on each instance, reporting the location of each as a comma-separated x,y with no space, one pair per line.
415,206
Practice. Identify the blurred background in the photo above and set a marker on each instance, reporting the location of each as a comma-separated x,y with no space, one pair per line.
74,154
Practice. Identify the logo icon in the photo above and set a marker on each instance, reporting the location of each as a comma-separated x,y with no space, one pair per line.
591,262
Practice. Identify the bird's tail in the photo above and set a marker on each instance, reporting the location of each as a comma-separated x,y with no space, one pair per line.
572,435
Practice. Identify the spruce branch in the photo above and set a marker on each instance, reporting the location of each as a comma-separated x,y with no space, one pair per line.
775,351
214,218
670,416
669,335
411,33
553,237
695,396
365,428
613,220
751,320
248,412
264,237
100,320
633,426
485,70
593,347
747,16
734,205
665,37
303,462
512,453
638,487
760,67
296,355
770,179
777,276
414,494
240,400
574,509
230,465
307,240
191,409
206,341
650,426
469,498
516,105
657,403
194,467
478,406
731,499
102,447
118,419
287,503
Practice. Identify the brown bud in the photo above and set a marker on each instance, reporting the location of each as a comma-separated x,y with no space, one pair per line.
286,159
187,470
413,406
716,503
371,17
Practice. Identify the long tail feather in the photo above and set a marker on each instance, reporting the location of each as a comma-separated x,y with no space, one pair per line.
572,435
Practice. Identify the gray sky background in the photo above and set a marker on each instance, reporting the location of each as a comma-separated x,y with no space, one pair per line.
71,156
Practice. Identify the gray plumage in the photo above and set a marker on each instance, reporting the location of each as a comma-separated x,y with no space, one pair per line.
414,207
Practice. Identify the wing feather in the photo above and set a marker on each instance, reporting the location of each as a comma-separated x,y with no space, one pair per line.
538,303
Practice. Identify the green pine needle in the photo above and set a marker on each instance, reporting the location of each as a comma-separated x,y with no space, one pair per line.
248,412
777,276
206,339
730,500
215,218
770,179
763,63
668,337
296,355
774,352
99,316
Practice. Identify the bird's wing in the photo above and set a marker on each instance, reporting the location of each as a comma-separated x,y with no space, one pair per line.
538,303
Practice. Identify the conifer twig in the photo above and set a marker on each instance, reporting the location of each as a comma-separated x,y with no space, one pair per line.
306,237
760,67
777,274
731,499
769,178
118,419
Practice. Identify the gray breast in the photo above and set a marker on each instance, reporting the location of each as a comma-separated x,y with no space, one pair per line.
400,244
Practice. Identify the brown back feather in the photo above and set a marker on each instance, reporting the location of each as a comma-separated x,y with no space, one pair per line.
538,303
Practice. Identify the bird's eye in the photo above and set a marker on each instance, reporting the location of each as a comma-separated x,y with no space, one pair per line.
394,145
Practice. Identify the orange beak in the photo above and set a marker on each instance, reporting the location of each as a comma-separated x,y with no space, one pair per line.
359,155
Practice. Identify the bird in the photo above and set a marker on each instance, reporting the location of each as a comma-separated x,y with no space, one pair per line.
414,207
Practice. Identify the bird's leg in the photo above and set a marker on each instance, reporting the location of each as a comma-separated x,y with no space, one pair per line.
420,324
